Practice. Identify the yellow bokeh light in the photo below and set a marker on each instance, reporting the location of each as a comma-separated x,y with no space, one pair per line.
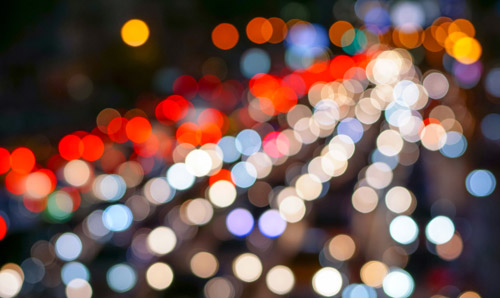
135,33
467,50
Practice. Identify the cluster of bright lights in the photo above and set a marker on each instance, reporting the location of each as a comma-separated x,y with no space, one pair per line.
347,96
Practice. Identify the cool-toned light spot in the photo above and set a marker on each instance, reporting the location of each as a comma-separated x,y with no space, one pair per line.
121,278
117,217
352,128
359,291
74,270
179,177
403,229
248,142
254,61
492,82
480,183
271,224
398,283
68,247
239,222
230,152
490,125
440,230
244,174
455,145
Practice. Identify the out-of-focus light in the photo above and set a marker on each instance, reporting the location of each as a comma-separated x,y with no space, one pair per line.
490,124
406,92
398,283
391,161
159,276
3,227
33,269
22,160
225,36
398,199
455,145
440,230
480,183
135,32
138,129
4,160
199,211
389,142
308,187
492,82
230,152
74,270
352,128
337,30
403,229
117,218
259,30
247,267
77,172
248,142
433,136
95,224
109,187
244,174
239,222
158,191
436,84
280,280
38,185
219,287
469,294
121,278
364,199
68,247
271,224
379,175
467,75
342,247
359,291
408,13
254,61
204,264
11,282
327,282
179,177
222,193
161,240
373,273
78,288
292,209
450,250
467,50
198,162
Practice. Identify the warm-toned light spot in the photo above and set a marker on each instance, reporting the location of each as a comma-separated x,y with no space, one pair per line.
138,129
259,30
225,36
22,160
135,32
337,30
